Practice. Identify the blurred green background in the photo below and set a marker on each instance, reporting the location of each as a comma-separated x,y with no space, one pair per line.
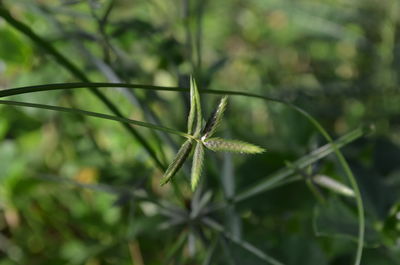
78,190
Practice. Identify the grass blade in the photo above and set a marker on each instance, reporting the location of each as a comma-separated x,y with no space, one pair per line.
74,70
178,161
210,252
303,162
351,178
244,244
175,248
198,158
98,187
317,125
229,256
67,86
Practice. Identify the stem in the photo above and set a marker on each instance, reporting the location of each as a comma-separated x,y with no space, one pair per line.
315,123
97,115
74,70
352,179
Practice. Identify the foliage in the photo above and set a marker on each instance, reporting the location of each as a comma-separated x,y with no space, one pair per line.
77,188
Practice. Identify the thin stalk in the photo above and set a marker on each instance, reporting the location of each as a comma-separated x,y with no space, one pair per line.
75,85
186,17
96,115
315,123
74,70
352,179
66,86
241,243
304,161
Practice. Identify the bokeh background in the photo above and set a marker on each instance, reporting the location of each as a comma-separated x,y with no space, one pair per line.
78,190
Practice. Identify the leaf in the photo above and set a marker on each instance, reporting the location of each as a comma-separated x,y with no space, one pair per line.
332,184
69,65
296,252
215,119
241,243
282,175
210,252
218,144
178,161
176,247
198,158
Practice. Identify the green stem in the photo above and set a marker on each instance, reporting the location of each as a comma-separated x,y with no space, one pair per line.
97,115
304,161
352,179
241,243
315,123
75,85
74,70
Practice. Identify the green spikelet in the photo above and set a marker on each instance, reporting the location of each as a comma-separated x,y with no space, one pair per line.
197,166
178,161
218,144
194,125
192,112
215,119
197,106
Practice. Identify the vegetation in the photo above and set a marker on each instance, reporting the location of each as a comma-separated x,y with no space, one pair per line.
104,100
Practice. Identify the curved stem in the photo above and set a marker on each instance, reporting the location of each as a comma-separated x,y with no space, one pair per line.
315,123
352,179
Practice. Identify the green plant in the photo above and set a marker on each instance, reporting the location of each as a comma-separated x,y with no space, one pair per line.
77,190
202,138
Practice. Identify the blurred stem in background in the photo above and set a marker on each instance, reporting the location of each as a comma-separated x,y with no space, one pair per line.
78,74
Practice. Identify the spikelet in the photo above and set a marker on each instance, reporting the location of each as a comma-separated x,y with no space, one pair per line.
215,119
192,112
332,184
194,125
218,144
178,161
199,116
197,166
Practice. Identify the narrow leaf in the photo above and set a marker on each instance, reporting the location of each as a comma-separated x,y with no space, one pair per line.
218,144
241,243
215,119
282,175
336,219
334,185
198,158
178,161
